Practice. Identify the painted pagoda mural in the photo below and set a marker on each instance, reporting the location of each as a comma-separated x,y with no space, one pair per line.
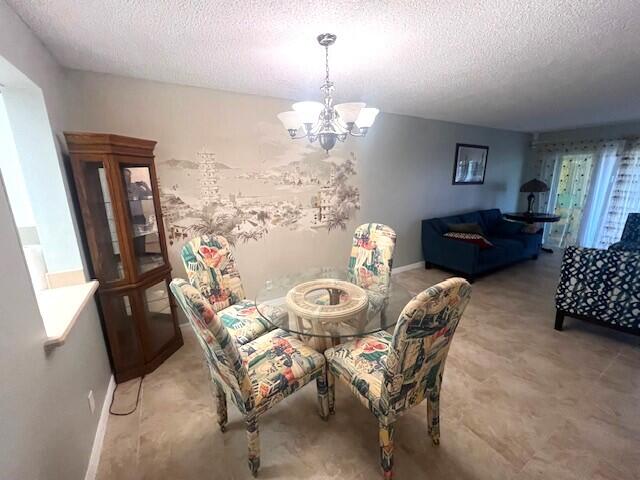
206,195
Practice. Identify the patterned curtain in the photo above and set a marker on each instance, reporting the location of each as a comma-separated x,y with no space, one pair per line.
572,187
624,197
575,173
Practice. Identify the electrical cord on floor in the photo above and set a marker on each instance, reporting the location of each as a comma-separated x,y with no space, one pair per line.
113,395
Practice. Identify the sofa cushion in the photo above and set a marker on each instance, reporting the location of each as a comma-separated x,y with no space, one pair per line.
491,256
490,218
466,228
504,251
513,248
507,228
473,217
530,242
441,225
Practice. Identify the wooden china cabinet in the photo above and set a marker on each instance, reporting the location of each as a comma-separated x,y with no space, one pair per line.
117,190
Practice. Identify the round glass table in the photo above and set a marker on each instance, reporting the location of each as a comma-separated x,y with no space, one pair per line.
323,306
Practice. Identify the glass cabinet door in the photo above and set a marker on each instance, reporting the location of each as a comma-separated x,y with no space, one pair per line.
124,337
143,218
159,320
106,257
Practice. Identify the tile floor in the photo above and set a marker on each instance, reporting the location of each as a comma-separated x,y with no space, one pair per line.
520,401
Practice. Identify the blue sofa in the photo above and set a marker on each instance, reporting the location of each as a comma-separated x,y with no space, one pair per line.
509,246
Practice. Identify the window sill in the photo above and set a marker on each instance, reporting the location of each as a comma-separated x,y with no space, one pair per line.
61,307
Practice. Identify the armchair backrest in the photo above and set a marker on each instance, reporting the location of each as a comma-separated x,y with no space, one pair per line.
420,344
372,256
631,232
211,268
220,351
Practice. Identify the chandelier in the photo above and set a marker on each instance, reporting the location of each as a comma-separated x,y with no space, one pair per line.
324,121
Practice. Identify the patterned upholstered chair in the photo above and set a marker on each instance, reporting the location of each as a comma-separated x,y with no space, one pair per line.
630,239
255,375
391,373
372,256
211,268
600,286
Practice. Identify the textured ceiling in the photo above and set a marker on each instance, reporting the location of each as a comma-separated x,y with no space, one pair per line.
521,65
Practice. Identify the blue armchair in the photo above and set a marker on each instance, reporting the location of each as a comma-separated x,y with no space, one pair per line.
630,239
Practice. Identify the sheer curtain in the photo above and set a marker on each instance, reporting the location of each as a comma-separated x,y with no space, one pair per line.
623,196
567,169
591,187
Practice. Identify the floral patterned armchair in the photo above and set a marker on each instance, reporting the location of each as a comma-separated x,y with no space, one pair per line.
390,374
211,268
372,256
630,239
256,375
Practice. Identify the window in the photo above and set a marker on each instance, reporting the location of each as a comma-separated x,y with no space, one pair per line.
594,187
32,177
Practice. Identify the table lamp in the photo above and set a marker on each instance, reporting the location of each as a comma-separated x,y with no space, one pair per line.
533,186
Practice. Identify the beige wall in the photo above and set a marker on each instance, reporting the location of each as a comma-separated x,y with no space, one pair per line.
47,429
404,166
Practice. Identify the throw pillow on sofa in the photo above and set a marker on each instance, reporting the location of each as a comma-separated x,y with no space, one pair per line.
474,238
465,228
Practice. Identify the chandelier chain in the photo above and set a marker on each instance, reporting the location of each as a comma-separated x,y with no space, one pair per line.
326,62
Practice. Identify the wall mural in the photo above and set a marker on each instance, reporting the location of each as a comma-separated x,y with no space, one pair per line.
206,194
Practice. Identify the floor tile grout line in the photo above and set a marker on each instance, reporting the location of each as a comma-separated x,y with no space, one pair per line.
611,362
139,424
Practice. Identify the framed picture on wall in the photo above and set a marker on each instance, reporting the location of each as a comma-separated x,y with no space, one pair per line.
470,164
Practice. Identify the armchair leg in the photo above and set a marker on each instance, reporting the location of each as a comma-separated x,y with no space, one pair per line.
331,392
433,415
253,441
323,395
386,449
427,265
221,407
559,320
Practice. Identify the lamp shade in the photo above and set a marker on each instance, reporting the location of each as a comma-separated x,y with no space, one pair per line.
290,120
349,111
308,111
534,186
366,117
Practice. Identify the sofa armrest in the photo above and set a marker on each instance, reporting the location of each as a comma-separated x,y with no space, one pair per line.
447,252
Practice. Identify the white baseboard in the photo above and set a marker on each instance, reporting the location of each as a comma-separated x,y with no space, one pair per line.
94,460
404,268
